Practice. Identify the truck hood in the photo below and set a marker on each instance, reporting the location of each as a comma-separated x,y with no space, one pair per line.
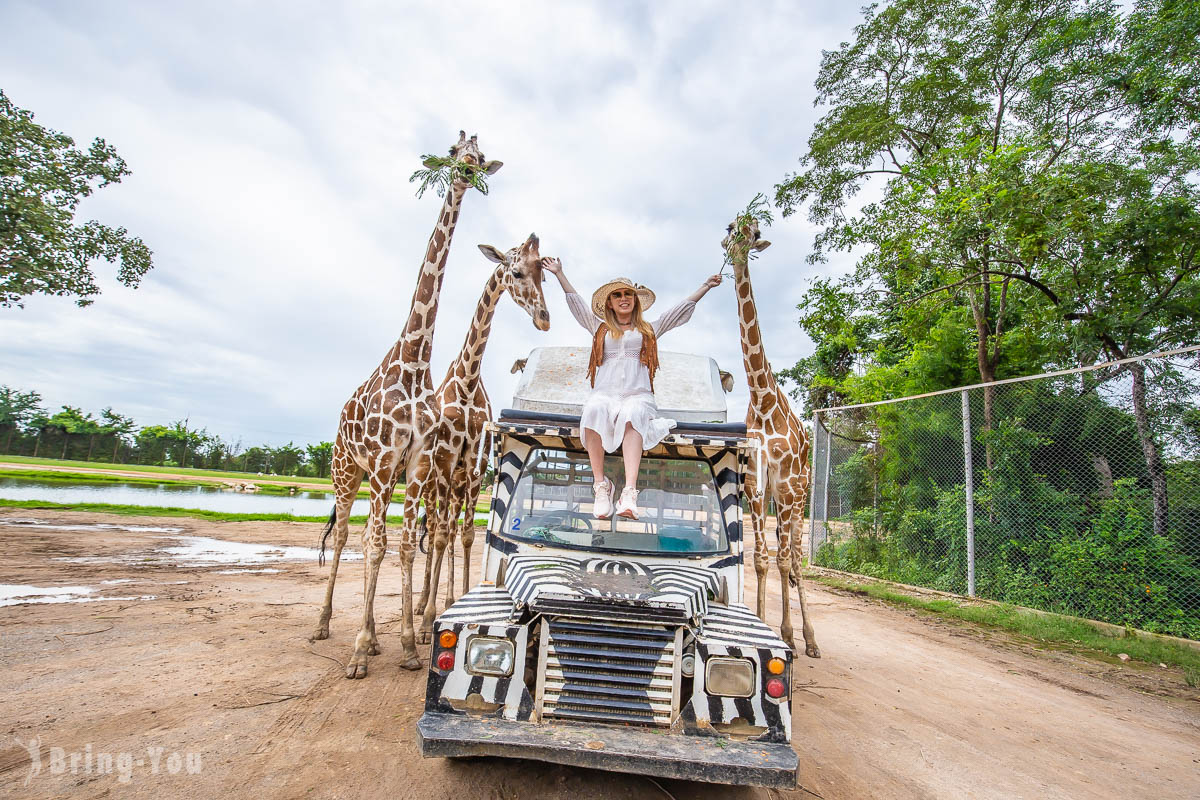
611,587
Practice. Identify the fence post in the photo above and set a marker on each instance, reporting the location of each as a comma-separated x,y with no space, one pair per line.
970,487
812,496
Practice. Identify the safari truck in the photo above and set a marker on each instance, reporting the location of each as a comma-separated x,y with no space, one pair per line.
614,644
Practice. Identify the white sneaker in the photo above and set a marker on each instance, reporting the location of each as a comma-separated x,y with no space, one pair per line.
602,508
627,505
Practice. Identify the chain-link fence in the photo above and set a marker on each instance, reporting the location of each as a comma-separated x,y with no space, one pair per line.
1076,492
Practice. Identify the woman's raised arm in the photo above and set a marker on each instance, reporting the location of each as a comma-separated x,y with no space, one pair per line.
681,313
579,307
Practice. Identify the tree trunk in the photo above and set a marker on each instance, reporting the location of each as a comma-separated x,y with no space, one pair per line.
91,444
66,441
1103,475
37,443
1154,465
8,441
116,444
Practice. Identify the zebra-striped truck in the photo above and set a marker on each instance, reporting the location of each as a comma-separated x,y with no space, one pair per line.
615,644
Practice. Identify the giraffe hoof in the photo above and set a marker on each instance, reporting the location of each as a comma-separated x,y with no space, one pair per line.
320,634
357,668
412,663
812,651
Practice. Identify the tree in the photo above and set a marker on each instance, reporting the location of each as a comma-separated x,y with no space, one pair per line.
43,177
73,422
938,98
153,439
17,409
119,427
1039,163
320,456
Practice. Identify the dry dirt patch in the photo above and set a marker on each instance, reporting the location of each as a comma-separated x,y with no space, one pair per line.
218,664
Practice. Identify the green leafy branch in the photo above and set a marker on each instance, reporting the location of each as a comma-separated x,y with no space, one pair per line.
441,172
759,211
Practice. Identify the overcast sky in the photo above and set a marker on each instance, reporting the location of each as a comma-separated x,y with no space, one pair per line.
271,146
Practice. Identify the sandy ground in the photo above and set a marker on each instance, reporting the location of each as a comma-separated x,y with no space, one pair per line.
902,705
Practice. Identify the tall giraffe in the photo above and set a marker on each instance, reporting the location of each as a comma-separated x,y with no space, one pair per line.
383,428
781,444
448,476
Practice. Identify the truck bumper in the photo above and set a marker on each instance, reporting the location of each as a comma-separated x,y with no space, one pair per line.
617,749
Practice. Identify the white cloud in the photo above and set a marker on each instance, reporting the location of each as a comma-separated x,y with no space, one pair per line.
271,148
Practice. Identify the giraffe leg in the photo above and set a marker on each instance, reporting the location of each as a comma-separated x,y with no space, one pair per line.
468,528
374,547
451,532
408,549
347,476
451,535
783,524
810,637
428,560
416,488
758,503
437,535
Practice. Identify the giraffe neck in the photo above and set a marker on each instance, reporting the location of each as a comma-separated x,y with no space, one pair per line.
412,352
469,363
754,356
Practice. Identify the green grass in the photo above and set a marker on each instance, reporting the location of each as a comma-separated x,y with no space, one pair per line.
56,476
1051,629
171,511
210,473
62,476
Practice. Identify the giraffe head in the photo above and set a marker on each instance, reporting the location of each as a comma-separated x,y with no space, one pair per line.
741,237
467,151
521,276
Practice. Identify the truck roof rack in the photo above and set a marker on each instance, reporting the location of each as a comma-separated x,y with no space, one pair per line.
547,418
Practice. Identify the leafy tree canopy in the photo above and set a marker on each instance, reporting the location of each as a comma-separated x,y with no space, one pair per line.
43,177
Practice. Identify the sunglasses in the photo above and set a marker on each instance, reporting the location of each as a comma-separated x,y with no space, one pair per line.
620,294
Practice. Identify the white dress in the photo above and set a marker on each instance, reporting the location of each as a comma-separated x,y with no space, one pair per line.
622,392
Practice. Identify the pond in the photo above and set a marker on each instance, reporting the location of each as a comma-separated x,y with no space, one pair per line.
303,503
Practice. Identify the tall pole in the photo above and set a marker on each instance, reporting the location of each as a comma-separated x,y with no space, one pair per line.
970,488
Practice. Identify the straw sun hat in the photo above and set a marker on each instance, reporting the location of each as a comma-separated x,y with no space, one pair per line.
600,297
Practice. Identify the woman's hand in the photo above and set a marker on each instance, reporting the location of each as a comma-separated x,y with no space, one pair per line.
555,268
709,283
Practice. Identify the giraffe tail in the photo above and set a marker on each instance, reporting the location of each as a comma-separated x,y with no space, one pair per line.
325,536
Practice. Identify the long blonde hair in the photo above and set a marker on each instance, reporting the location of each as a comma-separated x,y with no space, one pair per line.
614,327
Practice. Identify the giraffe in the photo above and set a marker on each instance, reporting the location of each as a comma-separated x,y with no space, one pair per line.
448,477
384,426
780,443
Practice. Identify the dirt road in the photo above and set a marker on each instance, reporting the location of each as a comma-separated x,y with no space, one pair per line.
201,659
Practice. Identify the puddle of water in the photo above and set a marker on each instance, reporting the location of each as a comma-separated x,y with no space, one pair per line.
98,526
203,551
246,571
15,594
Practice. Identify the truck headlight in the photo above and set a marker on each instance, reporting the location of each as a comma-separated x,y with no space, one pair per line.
488,656
729,677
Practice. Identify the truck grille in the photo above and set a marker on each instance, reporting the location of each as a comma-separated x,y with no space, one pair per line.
608,672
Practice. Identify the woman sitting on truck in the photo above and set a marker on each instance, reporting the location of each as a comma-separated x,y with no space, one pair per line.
620,412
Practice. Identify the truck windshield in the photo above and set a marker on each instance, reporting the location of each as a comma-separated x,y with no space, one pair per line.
678,506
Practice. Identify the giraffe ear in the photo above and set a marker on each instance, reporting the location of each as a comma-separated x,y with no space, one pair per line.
761,244
492,254
492,167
